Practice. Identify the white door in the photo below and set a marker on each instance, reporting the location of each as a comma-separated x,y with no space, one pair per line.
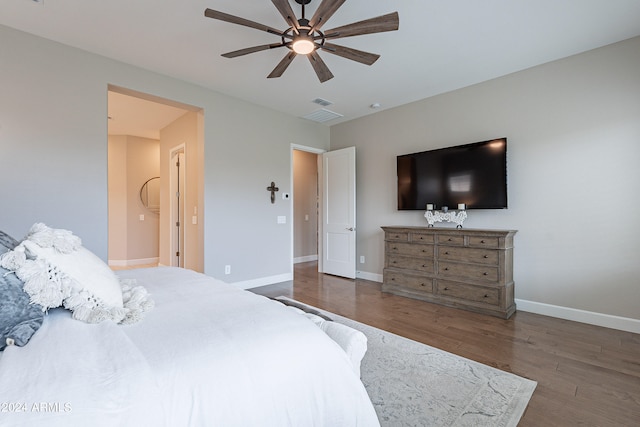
339,212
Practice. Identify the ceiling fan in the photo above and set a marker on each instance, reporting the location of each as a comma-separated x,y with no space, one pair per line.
305,37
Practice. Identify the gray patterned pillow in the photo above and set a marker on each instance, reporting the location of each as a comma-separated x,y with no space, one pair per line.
19,319
7,242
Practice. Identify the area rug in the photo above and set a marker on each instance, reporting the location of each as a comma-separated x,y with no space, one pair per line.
413,384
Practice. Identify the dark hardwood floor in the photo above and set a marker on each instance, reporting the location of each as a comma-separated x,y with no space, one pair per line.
587,375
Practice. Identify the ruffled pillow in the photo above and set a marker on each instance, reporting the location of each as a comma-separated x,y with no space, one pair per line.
19,319
58,271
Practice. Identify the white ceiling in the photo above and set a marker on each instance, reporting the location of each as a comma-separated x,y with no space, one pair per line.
130,115
441,45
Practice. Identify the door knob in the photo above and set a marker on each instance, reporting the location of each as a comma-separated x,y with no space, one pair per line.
350,229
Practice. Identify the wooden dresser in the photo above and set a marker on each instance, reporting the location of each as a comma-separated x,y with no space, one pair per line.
463,268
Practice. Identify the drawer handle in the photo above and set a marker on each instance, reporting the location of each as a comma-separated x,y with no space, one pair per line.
394,262
449,240
446,253
486,256
482,241
424,265
393,279
446,269
421,238
485,274
486,296
395,248
446,289
424,250
422,284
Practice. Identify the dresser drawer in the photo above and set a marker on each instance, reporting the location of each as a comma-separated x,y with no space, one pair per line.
468,292
484,242
468,271
425,265
396,237
420,238
401,248
450,239
471,255
416,283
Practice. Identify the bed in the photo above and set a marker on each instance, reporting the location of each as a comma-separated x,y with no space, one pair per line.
207,354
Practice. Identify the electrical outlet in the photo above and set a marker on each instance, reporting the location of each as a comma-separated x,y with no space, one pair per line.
141,217
227,269
361,259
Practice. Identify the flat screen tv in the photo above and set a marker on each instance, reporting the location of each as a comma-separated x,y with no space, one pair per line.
473,174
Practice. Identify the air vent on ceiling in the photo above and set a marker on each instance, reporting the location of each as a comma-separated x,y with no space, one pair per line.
322,115
322,102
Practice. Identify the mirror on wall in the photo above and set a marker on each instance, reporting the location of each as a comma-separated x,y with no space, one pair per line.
150,194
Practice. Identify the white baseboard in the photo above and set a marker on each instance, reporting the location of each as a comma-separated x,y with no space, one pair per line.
305,259
132,262
263,281
369,276
590,317
567,313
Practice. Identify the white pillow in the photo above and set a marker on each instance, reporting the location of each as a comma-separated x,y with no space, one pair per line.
85,269
58,271
352,341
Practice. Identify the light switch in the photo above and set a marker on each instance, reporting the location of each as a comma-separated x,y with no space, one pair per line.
141,217
282,219
194,219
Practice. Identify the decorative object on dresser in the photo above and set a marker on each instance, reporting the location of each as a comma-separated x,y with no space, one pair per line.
469,269
445,216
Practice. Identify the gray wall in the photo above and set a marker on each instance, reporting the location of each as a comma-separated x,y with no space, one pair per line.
132,161
53,162
573,129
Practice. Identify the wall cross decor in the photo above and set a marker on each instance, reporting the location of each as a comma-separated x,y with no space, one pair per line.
273,190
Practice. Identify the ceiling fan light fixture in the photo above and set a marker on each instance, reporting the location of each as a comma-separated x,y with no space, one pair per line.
303,45
306,37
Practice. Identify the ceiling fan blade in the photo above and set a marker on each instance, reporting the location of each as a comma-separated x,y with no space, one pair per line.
286,11
282,66
210,13
253,49
321,69
326,9
353,54
388,22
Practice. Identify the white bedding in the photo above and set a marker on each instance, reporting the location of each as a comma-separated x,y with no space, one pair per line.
207,355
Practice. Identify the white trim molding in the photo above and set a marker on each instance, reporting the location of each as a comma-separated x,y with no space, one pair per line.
307,258
583,316
132,262
263,281
365,275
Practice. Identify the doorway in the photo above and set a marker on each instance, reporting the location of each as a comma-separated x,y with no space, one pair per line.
174,127
305,205
332,196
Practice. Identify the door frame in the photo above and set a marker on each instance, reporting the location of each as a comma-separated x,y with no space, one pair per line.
174,151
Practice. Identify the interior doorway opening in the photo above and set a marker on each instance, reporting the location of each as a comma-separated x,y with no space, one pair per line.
305,205
139,236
